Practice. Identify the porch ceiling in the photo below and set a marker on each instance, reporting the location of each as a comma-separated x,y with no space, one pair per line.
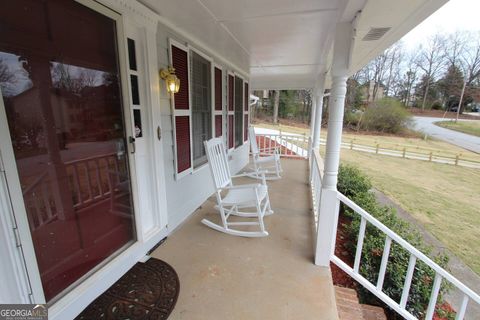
287,44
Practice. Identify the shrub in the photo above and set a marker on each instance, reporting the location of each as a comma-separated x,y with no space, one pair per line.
387,115
437,105
352,118
356,185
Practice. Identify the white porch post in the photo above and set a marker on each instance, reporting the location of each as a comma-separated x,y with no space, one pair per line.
329,204
318,113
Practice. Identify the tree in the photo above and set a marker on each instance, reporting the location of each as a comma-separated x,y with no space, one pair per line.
426,89
276,101
450,86
431,60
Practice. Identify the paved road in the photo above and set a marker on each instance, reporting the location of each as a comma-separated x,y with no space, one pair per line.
462,140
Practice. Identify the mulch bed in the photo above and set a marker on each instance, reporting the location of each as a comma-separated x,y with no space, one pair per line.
148,291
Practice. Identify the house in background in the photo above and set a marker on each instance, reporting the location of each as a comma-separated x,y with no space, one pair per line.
104,163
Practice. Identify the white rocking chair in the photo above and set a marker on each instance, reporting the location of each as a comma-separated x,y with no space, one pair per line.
269,164
253,196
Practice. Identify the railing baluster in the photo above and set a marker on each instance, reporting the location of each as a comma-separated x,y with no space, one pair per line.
77,184
433,297
46,200
383,265
408,281
463,308
99,181
89,182
358,253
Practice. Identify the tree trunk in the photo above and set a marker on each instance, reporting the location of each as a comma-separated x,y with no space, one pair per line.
275,106
425,95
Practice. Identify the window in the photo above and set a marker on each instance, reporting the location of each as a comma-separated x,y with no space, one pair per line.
238,111
201,86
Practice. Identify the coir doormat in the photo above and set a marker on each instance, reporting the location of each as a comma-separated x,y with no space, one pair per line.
148,291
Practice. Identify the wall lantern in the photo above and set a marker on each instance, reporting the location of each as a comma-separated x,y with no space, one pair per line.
171,80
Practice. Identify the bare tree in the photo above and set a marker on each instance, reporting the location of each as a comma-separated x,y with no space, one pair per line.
275,105
431,61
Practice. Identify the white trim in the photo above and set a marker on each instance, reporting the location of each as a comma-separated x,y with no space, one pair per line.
11,200
152,82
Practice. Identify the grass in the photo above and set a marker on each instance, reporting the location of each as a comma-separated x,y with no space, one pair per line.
442,198
468,127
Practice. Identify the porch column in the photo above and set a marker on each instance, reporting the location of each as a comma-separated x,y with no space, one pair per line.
329,203
318,116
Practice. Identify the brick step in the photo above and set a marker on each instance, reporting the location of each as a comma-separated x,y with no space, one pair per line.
349,307
373,312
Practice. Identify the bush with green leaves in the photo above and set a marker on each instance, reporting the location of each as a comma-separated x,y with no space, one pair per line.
356,186
386,115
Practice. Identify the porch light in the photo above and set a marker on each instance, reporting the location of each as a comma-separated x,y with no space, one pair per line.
171,80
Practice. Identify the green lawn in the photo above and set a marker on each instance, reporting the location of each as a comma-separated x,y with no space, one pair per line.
468,127
443,198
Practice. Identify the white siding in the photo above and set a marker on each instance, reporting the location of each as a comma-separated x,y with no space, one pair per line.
187,193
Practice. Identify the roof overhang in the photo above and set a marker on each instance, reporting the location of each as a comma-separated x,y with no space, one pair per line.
286,44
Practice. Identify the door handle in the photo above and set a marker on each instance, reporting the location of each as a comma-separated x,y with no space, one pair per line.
132,142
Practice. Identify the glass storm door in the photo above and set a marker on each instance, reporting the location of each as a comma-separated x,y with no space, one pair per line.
60,84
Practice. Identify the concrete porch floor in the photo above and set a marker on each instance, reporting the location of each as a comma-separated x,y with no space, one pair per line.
227,277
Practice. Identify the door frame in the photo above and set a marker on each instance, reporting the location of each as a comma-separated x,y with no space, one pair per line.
75,299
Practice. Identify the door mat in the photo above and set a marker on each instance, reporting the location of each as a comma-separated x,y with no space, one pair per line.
148,291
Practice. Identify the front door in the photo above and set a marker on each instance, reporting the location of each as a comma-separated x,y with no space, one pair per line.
60,84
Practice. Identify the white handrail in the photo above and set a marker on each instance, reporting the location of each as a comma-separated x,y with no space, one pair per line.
400,307
288,145
410,248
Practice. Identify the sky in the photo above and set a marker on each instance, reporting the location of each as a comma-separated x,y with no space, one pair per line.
454,15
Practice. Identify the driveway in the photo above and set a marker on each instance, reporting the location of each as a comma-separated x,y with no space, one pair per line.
462,140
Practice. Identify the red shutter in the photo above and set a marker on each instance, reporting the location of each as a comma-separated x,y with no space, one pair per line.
245,128
230,131
218,89
230,92
180,63
246,99
182,135
218,125
181,114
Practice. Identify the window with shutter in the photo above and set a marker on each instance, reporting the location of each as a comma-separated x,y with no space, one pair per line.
181,113
218,101
238,94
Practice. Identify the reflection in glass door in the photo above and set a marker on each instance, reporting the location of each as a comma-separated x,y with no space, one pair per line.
60,84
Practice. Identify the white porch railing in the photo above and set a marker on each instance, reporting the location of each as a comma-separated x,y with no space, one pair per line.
91,182
316,166
288,145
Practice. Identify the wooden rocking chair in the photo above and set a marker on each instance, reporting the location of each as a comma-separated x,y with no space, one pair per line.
238,197
266,160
